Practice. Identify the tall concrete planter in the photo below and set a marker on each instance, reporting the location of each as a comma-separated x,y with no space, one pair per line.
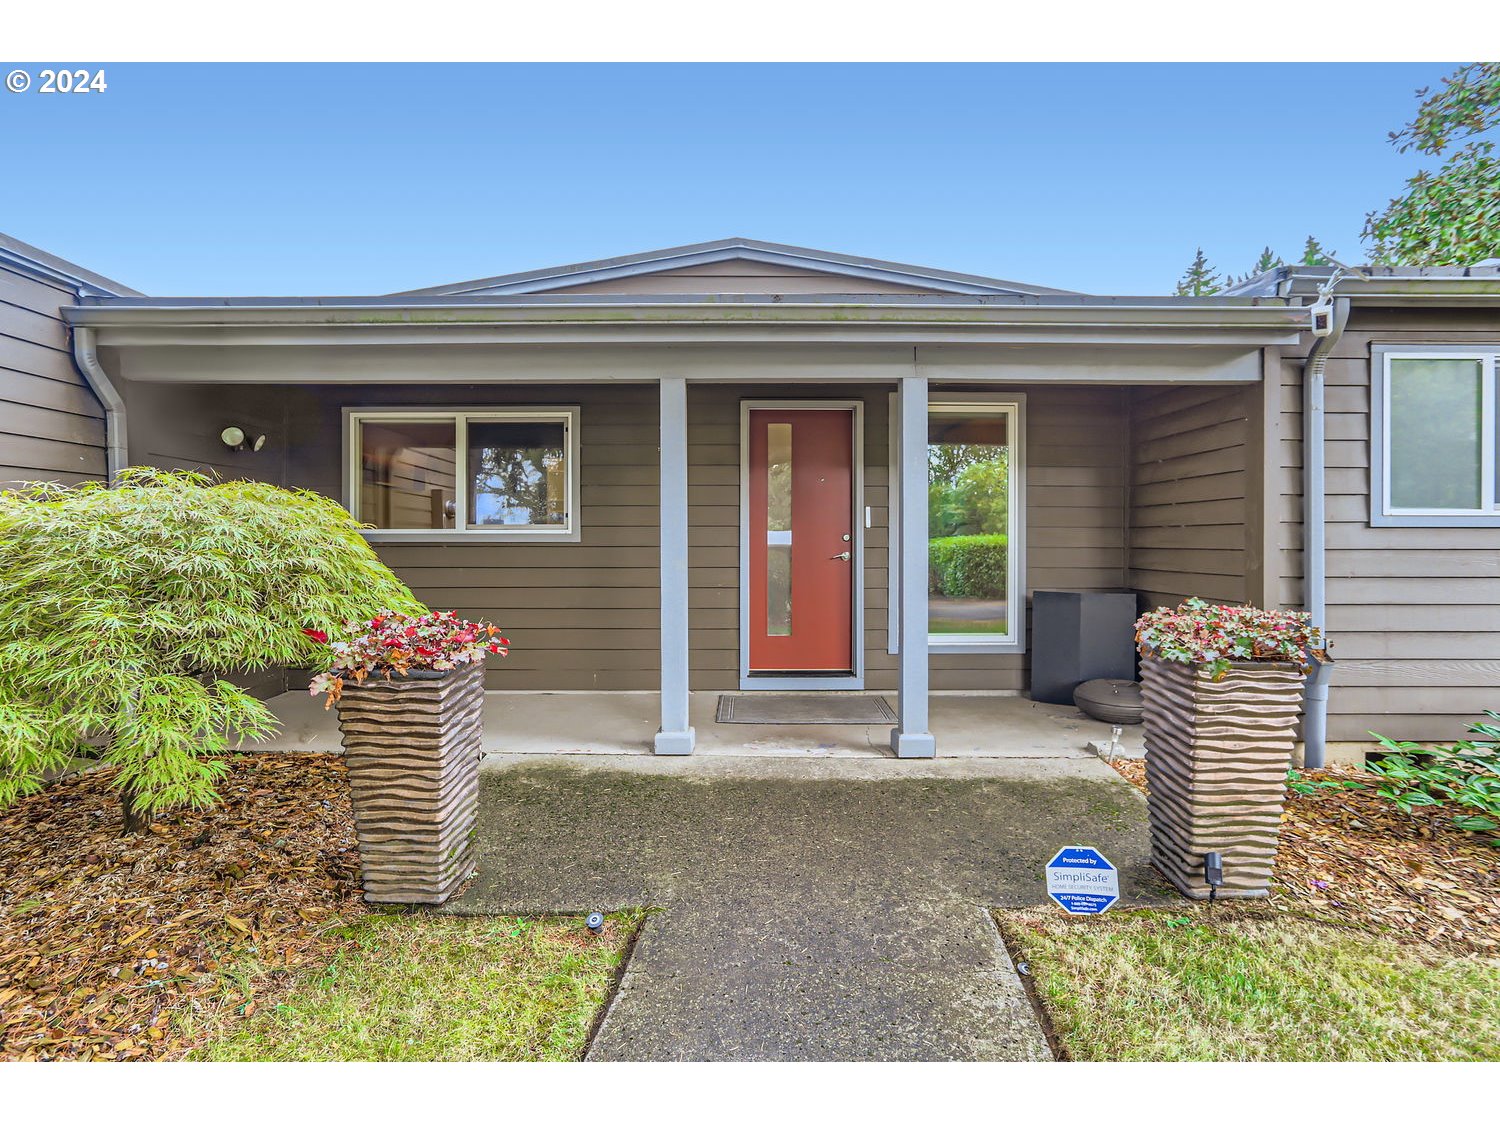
1216,760
412,747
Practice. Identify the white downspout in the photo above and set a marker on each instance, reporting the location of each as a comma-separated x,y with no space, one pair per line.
1314,522
86,357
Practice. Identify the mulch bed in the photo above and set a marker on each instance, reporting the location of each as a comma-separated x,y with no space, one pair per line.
1352,856
107,941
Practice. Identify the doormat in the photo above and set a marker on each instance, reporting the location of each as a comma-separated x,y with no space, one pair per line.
771,708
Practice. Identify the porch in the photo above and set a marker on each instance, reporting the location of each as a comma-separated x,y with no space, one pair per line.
626,722
637,552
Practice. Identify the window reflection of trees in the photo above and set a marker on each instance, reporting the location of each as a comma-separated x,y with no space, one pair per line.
518,474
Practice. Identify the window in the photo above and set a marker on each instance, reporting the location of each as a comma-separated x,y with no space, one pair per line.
975,594
1434,442
506,473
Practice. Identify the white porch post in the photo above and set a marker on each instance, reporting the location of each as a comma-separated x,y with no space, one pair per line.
911,738
675,735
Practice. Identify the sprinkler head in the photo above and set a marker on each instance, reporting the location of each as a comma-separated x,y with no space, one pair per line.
595,923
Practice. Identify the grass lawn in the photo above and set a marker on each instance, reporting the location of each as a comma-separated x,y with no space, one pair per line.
1242,981
424,987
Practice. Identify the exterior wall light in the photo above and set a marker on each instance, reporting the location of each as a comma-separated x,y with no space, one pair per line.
236,439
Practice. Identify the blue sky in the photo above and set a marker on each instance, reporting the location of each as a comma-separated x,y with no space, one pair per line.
282,179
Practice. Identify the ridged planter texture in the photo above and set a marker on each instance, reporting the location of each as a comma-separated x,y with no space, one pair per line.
1216,760
412,747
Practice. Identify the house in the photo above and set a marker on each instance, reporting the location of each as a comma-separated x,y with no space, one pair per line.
719,466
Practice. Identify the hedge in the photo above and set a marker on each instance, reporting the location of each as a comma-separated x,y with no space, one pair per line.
968,566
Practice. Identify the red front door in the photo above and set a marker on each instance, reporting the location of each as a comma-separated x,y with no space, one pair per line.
801,518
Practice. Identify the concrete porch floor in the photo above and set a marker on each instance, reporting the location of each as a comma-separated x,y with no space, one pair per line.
571,723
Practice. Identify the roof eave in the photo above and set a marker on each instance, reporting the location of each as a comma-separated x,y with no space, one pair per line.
1245,324
1379,284
352,312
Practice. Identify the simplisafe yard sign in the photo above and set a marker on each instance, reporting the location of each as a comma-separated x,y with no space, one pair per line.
1082,881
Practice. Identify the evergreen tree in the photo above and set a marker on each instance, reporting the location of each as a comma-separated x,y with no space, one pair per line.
1314,254
1267,261
1200,279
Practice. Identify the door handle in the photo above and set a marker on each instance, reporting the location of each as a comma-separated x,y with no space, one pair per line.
844,556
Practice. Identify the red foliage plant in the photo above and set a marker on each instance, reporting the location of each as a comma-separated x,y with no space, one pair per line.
395,644
1220,635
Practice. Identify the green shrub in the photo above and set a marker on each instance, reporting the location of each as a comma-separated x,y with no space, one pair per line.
124,610
968,566
1463,778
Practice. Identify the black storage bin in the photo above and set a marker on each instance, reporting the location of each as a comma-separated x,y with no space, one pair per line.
1079,635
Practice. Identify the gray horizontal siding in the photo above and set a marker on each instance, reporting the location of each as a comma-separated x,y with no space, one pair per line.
1190,487
580,616
1413,613
583,615
51,425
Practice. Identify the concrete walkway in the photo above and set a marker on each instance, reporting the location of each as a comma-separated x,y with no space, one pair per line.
806,909
621,722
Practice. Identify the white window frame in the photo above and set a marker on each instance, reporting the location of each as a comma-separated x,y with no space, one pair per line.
1382,512
1013,406
570,531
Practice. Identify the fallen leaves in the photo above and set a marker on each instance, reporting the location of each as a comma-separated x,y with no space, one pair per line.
108,942
1351,856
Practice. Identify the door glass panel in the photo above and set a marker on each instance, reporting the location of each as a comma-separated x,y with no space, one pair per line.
406,474
518,473
968,523
1435,422
779,529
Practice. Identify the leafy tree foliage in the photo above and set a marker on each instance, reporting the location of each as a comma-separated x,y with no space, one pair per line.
968,491
519,473
1468,103
1200,279
1451,216
124,611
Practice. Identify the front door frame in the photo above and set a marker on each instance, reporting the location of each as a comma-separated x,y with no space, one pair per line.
811,682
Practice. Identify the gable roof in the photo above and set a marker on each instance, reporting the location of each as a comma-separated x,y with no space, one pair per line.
797,259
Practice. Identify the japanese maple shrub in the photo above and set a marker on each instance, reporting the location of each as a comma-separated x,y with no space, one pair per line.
124,611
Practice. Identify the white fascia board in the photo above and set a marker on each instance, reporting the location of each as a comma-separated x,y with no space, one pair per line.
634,336
1149,313
1248,325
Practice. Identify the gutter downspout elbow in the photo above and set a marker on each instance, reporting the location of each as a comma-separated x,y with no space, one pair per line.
86,356
1314,524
